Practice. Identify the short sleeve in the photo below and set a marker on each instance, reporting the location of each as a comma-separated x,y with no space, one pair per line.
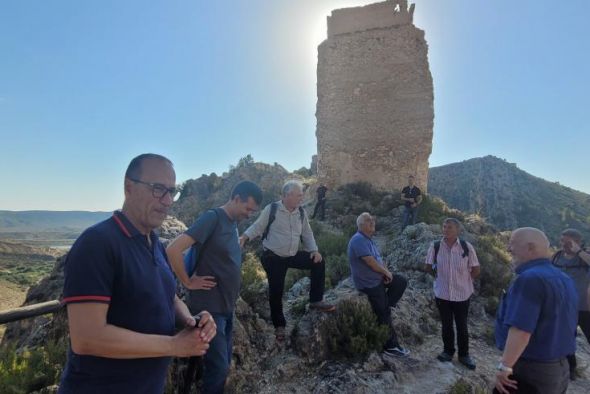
89,269
203,227
360,247
473,261
524,303
418,192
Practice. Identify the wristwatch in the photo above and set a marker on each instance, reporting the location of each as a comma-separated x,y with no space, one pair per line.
502,368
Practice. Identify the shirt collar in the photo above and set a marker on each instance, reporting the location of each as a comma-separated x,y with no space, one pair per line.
365,235
126,226
530,264
282,206
457,241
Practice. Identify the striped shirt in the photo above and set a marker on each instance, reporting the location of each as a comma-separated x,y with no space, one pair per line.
453,280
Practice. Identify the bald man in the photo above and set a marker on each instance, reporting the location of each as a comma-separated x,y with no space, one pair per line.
536,321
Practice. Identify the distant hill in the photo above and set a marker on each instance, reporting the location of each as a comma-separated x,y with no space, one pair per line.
48,221
510,197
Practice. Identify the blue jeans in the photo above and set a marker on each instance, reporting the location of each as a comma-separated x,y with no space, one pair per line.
218,358
410,216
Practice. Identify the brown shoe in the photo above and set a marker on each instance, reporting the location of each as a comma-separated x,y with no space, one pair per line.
322,306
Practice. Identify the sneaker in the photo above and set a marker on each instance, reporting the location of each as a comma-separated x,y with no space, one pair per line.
444,357
280,334
468,362
322,306
397,351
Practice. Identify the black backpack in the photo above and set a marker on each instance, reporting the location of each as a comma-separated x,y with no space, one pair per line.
272,216
580,263
463,245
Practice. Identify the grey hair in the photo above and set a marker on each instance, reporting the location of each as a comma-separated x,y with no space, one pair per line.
572,233
362,219
455,222
290,185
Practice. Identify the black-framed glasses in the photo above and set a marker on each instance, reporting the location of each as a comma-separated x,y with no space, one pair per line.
159,190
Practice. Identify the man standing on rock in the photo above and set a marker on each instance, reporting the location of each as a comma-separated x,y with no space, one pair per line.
283,225
215,285
574,260
320,205
120,294
536,320
454,264
412,197
371,276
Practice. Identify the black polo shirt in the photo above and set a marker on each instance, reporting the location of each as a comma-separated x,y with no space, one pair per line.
113,263
411,192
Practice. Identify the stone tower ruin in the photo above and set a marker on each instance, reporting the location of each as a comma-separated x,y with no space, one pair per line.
375,98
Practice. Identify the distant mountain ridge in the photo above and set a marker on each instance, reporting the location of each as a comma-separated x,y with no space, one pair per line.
44,221
510,197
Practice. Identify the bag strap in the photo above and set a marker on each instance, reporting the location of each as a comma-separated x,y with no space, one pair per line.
271,218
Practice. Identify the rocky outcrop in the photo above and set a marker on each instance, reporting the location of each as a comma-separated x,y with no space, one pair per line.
508,197
375,98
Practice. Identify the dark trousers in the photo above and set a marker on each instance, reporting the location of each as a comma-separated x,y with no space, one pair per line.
584,323
276,269
382,298
410,215
449,311
217,360
320,207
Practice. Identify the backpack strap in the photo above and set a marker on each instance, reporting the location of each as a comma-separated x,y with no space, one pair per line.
436,249
465,248
271,218
301,214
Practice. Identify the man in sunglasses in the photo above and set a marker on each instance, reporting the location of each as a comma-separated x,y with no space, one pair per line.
120,294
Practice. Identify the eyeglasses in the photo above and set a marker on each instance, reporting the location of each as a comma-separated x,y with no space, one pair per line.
159,190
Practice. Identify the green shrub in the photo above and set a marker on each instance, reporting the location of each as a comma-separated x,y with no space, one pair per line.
433,210
298,306
337,268
31,369
363,190
496,272
253,277
330,244
463,387
352,331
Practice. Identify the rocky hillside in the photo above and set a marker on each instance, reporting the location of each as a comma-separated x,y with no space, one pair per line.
339,352
508,197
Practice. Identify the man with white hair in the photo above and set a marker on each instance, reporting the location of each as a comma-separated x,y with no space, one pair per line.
536,320
283,225
371,276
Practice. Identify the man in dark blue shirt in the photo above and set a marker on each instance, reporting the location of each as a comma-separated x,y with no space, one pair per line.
536,320
120,294
371,276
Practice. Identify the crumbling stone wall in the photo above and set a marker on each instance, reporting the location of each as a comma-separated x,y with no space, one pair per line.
375,98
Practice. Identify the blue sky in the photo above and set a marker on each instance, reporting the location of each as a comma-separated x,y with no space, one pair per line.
87,85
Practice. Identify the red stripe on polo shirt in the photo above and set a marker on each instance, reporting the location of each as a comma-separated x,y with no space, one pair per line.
86,298
120,223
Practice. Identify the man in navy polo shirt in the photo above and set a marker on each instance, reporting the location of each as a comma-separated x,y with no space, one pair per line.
120,294
537,318
371,276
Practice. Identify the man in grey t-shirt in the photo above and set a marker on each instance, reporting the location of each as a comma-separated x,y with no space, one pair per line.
574,260
216,281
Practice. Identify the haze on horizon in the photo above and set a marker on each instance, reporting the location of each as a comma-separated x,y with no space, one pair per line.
84,87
